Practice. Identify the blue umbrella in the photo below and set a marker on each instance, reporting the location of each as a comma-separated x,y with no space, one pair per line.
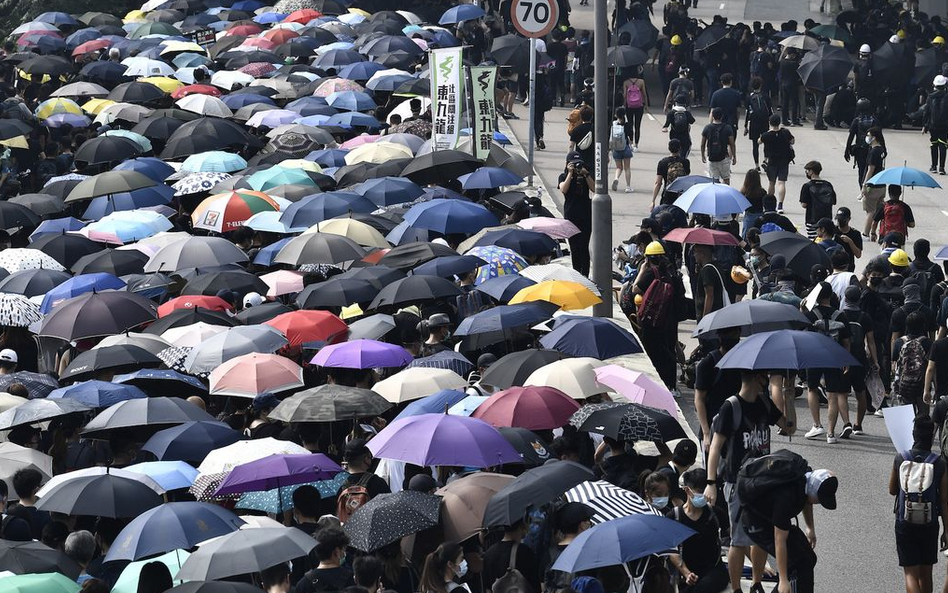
162,381
191,441
524,242
353,119
98,394
621,540
591,336
683,183
389,83
214,161
468,405
170,475
447,359
310,106
359,71
190,60
432,404
81,36
235,102
405,233
267,254
317,208
58,19
903,176
450,216
80,285
351,101
281,499
461,12
503,288
149,166
449,265
270,17
388,191
328,157
435,192
714,199
506,317
787,349
172,526
489,178
57,226
157,195
337,58
58,120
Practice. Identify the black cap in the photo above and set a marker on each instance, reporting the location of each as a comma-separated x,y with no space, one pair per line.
574,156
356,448
650,224
686,451
843,213
826,224
485,360
572,513
422,483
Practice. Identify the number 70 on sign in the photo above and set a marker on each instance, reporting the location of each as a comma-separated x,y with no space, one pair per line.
534,18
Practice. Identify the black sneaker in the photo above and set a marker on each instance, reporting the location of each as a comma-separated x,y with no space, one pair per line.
847,431
941,172
933,169
541,144
857,429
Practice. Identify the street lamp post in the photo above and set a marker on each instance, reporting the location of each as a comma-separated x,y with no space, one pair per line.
600,244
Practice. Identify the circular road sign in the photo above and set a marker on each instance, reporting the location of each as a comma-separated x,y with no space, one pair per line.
534,18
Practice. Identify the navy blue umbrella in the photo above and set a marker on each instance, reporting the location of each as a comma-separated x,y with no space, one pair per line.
450,216
149,166
450,265
446,359
267,254
360,71
172,526
503,288
328,157
489,178
591,336
621,540
162,382
98,394
387,191
157,195
522,241
506,317
317,208
190,441
787,349
433,404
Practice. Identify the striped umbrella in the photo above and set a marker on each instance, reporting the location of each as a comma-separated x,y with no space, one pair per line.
18,311
609,501
229,211
448,359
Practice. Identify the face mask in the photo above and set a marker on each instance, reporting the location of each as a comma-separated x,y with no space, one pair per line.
342,559
729,343
868,139
660,502
874,281
755,260
699,501
462,569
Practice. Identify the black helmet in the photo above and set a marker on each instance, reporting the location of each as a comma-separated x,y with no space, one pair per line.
864,105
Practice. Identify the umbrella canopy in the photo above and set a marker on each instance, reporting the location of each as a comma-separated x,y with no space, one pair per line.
195,252
190,441
533,489
18,311
325,248
35,557
155,413
232,343
417,382
170,475
277,471
637,388
801,253
753,316
609,501
97,360
37,410
620,541
568,295
47,582
253,374
246,551
904,176
575,377
362,354
533,408
465,499
100,495
450,216
825,68
389,517
787,349
713,199
594,337
700,236
441,439
98,394
513,369
110,182
414,289
302,327
505,319
328,403
628,422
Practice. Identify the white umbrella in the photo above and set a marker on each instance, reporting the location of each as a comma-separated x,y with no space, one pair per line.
34,26
609,501
166,238
13,458
149,342
404,108
18,311
8,401
541,273
17,259
99,471
234,342
141,66
189,336
205,105
576,377
226,79
81,89
416,383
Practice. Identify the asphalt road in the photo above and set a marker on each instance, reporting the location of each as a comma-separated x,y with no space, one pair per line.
856,544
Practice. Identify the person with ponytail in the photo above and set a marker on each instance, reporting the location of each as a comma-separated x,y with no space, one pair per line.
441,568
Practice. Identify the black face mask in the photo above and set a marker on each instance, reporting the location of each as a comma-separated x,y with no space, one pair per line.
728,343
875,281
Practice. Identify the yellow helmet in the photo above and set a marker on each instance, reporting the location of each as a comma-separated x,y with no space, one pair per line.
899,258
654,248
740,275
900,33
676,40
938,40
638,300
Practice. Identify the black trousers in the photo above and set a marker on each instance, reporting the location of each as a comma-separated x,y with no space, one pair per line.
801,559
660,345
579,251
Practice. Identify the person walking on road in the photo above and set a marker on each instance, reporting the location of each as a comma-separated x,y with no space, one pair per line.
669,168
858,141
635,95
663,296
683,85
862,345
678,124
778,152
790,87
756,117
620,143
728,99
936,123
576,183
717,147
829,321
892,216
817,197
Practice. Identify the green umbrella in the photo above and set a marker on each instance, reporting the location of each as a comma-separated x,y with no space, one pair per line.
50,582
128,580
274,176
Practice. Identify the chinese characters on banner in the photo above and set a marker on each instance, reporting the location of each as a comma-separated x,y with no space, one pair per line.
446,97
482,83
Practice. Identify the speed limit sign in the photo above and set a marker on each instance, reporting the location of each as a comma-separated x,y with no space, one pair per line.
534,18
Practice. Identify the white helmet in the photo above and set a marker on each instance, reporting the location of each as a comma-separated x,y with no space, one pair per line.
940,80
865,49
894,39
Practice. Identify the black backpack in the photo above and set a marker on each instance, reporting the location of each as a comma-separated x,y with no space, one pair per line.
857,338
822,193
863,124
680,122
716,148
761,475
939,112
757,110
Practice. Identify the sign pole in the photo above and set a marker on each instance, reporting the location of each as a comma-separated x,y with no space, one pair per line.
600,243
533,107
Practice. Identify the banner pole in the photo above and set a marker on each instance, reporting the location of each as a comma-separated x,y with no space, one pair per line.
533,107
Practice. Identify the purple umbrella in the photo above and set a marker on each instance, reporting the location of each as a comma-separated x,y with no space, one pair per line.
276,471
440,439
73,119
362,354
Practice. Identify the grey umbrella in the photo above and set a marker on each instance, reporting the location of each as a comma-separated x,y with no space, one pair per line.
98,314
32,557
37,410
110,182
244,552
156,413
328,403
232,343
373,327
753,316
390,517
103,495
323,248
195,252
92,361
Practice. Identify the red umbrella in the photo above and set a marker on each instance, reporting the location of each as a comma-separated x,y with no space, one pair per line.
280,35
375,256
91,46
701,236
301,327
533,408
196,89
302,16
259,42
214,303
257,69
245,30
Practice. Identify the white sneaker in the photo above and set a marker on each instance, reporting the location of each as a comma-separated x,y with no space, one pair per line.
815,432
878,413
635,148
831,439
629,190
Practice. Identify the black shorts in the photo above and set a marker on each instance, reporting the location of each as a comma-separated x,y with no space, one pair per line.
835,382
856,378
917,545
778,171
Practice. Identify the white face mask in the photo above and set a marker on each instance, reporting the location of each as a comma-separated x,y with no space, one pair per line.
868,139
462,569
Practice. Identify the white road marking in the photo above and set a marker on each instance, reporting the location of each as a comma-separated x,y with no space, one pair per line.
721,7
653,119
944,212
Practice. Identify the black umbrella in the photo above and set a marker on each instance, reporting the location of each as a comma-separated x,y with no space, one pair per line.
110,182
753,316
226,131
239,59
11,128
37,384
118,262
892,63
710,36
157,127
213,587
262,313
183,317
414,87
145,416
440,166
93,361
323,248
410,255
628,422
50,65
390,517
328,403
524,242
801,253
498,157
106,149
31,283
61,188
514,368
211,284
532,489
511,50
532,448
14,215
625,56
98,314
336,292
928,64
66,248
101,495
104,71
34,557
414,289
643,34
825,68
379,275
41,204
387,44
136,93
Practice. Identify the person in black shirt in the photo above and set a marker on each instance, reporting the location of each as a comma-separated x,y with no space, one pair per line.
717,147
359,462
929,273
329,574
862,345
576,183
909,392
848,237
817,197
789,88
728,99
778,152
830,321
497,558
711,291
306,509
661,172
699,561
714,385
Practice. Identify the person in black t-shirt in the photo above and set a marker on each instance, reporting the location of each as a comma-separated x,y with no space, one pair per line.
330,574
661,172
717,147
497,557
862,347
710,291
834,323
789,87
714,385
817,197
699,562
778,152
576,183
848,237
359,462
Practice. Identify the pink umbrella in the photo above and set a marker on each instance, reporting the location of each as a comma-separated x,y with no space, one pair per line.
558,228
360,140
637,388
283,282
252,374
257,69
337,85
533,408
260,42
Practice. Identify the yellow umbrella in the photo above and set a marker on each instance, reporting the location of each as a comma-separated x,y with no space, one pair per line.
174,46
168,85
358,231
302,164
135,16
15,142
568,295
94,106
58,105
360,11
351,311
378,152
